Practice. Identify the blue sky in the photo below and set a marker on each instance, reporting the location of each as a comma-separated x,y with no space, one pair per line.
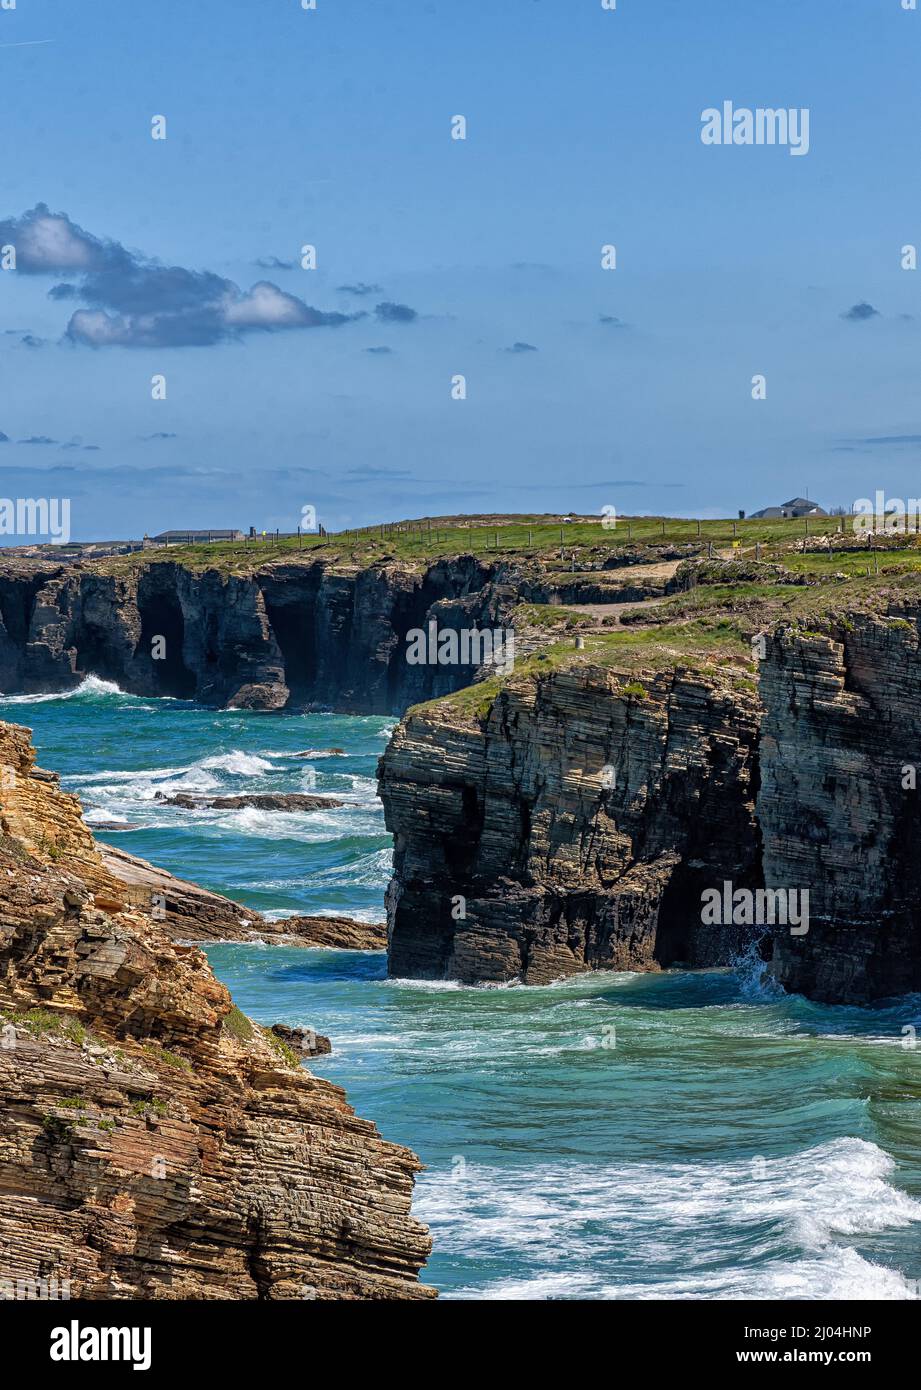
332,127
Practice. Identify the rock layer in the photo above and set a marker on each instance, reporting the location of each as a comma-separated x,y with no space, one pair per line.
567,824
839,803
154,1143
571,827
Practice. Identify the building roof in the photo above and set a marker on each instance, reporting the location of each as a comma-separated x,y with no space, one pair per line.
797,506
217,535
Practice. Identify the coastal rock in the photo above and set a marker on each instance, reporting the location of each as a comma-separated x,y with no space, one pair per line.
154,1142
303,1040
838,802
341,932
300,633
259,801
570,825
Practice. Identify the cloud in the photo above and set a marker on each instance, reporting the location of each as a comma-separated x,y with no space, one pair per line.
611,321
274,263
395,313
4,438
367,470
875,441
518,348
77,443
859,313
159,434
49,243
29,340
267,307
133,301
894,439
379,351
360,288
38,439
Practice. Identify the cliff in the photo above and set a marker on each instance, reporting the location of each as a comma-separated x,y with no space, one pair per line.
282,634
290,632
572,816
154,1143
839,800
565,823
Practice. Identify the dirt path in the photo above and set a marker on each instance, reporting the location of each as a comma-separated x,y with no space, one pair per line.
615,611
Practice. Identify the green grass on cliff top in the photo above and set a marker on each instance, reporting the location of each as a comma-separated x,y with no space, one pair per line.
715,644
494,538
707,629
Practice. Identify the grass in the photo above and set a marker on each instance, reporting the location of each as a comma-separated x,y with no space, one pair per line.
284,1050
148,1103
238,1025
492,537
701,644
42,1023
172,1059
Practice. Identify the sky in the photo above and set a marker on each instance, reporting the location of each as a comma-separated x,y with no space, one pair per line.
335,387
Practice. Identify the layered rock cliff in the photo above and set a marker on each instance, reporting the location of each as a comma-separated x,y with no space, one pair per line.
568,824
285,634
838,803
154,1143
572,818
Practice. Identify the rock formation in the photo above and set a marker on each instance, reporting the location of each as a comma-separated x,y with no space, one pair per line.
154,1142
838,803
288,633
571,818
567,826
342,933
259,801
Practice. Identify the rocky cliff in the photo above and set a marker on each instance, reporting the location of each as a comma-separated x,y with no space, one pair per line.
568,823
298,630
838,804
283,634
154,1143
572,818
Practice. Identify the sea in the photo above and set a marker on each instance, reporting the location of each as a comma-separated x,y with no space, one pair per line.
680,1135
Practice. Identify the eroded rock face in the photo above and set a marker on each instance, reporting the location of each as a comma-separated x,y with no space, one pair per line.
513,859
838,804
574,829
154,1143
289,634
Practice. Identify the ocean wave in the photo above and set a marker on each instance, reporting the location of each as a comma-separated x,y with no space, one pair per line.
91,687
370,915
237,762
372,869
728,1227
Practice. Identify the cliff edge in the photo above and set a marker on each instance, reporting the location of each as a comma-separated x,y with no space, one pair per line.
154,1142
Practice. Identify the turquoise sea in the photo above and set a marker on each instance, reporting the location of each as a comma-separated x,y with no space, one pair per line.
615,1136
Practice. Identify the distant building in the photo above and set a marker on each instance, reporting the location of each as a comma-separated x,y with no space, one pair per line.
195,537
797,506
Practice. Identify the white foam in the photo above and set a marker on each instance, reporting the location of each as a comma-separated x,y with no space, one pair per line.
90,686
768,1228
244,764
